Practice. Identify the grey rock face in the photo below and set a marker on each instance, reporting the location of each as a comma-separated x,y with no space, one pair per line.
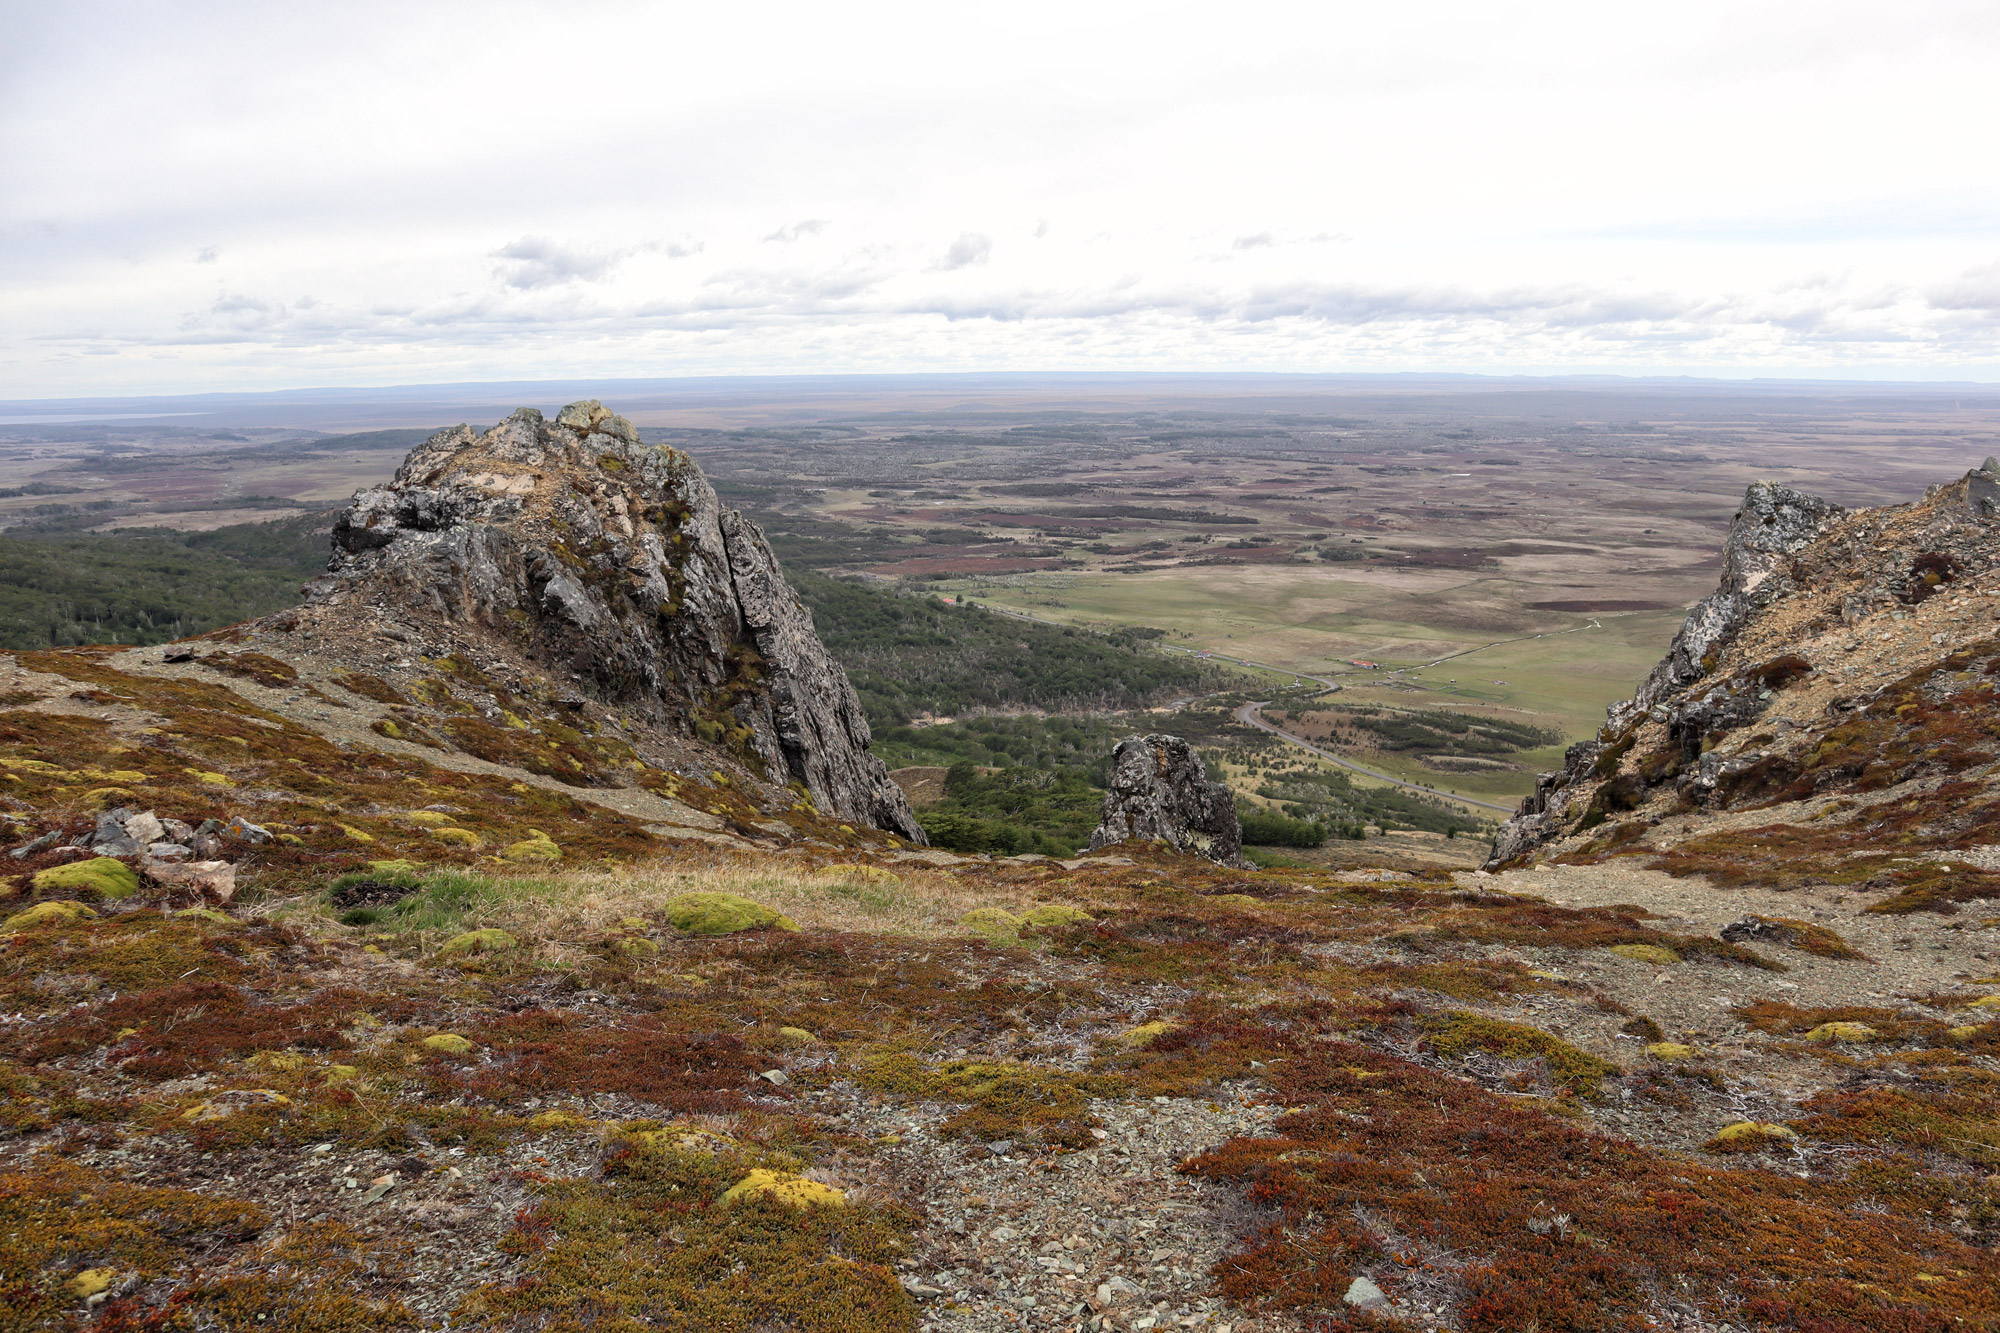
599,557
1160,790
1774,523
1797,571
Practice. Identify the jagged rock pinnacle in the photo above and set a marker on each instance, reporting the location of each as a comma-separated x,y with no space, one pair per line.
1160,790
598,558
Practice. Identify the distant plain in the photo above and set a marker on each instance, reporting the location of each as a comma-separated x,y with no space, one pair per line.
1519,549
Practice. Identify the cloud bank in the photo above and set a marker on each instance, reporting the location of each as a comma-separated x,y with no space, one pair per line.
265,198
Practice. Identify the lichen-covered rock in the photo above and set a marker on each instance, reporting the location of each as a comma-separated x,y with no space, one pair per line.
1160,791
792,1191
103,875
712,913
55,912
615,564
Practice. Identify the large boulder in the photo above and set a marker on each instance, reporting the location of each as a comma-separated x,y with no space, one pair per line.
1160,792
613,563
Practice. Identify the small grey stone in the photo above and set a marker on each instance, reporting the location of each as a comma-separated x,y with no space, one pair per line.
240,827
777,1078
145,827
1000,1147
41,844
1365,1294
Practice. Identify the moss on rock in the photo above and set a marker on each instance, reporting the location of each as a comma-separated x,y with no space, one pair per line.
538,846
449,1043
477,942
52,913
1646,953
104,876
1049,916
792,1191
1842,1032
712,913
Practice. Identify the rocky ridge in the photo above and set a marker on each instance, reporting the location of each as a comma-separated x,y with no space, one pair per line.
1827,623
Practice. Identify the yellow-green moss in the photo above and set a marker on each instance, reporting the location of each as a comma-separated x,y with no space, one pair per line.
450,1043
1669,1050
1842,1032
462,837
55,912
1646,953
792,1191
476,942
538,846
1455,1032
1749,1135
997,924
1052,915
710,913
104,876
1144,1035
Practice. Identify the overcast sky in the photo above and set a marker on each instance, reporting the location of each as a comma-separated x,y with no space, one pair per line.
238,196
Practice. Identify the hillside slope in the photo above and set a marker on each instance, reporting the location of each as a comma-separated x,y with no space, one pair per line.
462,1024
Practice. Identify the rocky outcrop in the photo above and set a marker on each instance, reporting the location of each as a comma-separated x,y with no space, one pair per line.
1160,791
1774,524
615,566
1814,601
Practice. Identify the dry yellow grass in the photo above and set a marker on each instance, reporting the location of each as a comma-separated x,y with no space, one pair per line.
911,899
557,914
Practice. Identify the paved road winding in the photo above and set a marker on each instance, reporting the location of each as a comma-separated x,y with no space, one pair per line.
1249,717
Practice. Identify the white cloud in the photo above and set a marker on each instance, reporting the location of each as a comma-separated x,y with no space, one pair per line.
537,261
809,227
1687,187
968,251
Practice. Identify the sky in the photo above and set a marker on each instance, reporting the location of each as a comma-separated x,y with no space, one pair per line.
199,197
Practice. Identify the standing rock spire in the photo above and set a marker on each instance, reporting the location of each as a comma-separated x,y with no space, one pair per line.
597,557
